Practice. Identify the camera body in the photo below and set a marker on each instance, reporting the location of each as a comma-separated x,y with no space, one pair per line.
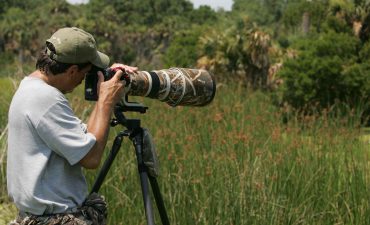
91,80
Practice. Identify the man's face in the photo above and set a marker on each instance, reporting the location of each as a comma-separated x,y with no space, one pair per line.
76,78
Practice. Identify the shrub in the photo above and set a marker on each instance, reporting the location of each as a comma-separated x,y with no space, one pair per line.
183,51
329,68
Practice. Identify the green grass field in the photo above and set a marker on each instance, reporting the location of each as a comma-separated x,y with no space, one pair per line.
235,162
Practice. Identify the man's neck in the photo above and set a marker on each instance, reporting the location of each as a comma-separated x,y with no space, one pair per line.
56,81
39,74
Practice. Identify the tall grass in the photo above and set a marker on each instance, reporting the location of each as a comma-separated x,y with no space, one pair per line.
236,162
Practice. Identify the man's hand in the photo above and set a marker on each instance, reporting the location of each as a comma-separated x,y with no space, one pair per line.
128,69
110,93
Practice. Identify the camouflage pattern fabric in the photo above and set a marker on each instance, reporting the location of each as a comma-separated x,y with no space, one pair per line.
177,86
92,212
57,219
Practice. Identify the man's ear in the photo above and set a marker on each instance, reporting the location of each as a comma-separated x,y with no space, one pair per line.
72,71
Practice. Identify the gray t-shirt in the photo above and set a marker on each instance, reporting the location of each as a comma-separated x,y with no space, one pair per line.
45,143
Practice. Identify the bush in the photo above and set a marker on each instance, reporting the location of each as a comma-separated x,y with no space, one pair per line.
183,51
329,68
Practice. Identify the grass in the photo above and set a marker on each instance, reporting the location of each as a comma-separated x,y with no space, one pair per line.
236,162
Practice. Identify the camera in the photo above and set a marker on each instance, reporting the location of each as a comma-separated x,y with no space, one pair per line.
175,86
91,80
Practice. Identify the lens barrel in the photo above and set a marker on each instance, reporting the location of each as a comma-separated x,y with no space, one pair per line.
175,86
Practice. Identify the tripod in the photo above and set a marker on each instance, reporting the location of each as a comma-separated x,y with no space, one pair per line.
135,134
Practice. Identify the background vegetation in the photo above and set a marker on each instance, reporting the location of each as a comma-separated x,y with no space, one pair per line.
284,142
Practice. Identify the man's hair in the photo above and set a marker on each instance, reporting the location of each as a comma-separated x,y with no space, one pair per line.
48,65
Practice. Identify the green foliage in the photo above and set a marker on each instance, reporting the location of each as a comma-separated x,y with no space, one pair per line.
364,54
15,29
22,33
6,58
163,33
143,12
24,5
203,15
293,13
235,162
183,51
134,32
263,12
8,87
326,71
338,5
243,49
337,25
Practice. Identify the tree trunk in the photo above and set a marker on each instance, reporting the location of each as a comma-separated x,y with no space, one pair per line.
356,27
306,23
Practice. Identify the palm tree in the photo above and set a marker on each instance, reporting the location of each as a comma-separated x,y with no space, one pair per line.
238,50
255,57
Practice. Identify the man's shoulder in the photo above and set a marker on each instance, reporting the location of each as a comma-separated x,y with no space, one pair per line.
33,98
38,92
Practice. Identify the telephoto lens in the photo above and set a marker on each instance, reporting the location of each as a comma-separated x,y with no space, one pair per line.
175,86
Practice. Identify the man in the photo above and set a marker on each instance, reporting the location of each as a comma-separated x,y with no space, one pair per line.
48,145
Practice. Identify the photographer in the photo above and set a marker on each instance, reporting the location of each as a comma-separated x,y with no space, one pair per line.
48,145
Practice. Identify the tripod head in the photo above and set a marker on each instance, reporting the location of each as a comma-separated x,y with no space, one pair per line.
126,106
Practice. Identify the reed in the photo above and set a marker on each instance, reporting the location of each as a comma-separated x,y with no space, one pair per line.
237,161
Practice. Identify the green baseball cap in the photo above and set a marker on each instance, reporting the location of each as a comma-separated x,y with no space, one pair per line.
74,45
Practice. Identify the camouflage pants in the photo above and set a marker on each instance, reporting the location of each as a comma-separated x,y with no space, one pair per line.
92,212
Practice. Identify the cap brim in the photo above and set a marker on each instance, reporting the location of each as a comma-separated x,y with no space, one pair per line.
101,60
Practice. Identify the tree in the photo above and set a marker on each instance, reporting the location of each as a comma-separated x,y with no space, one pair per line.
304,14
328,69
24,5
17,33
263,12
143,12
243,49
203,15
183,50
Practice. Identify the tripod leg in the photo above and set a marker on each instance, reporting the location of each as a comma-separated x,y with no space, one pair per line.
159,200
108,162
146,198
137,140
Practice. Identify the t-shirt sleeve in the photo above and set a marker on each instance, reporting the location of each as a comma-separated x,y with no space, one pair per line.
64,133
